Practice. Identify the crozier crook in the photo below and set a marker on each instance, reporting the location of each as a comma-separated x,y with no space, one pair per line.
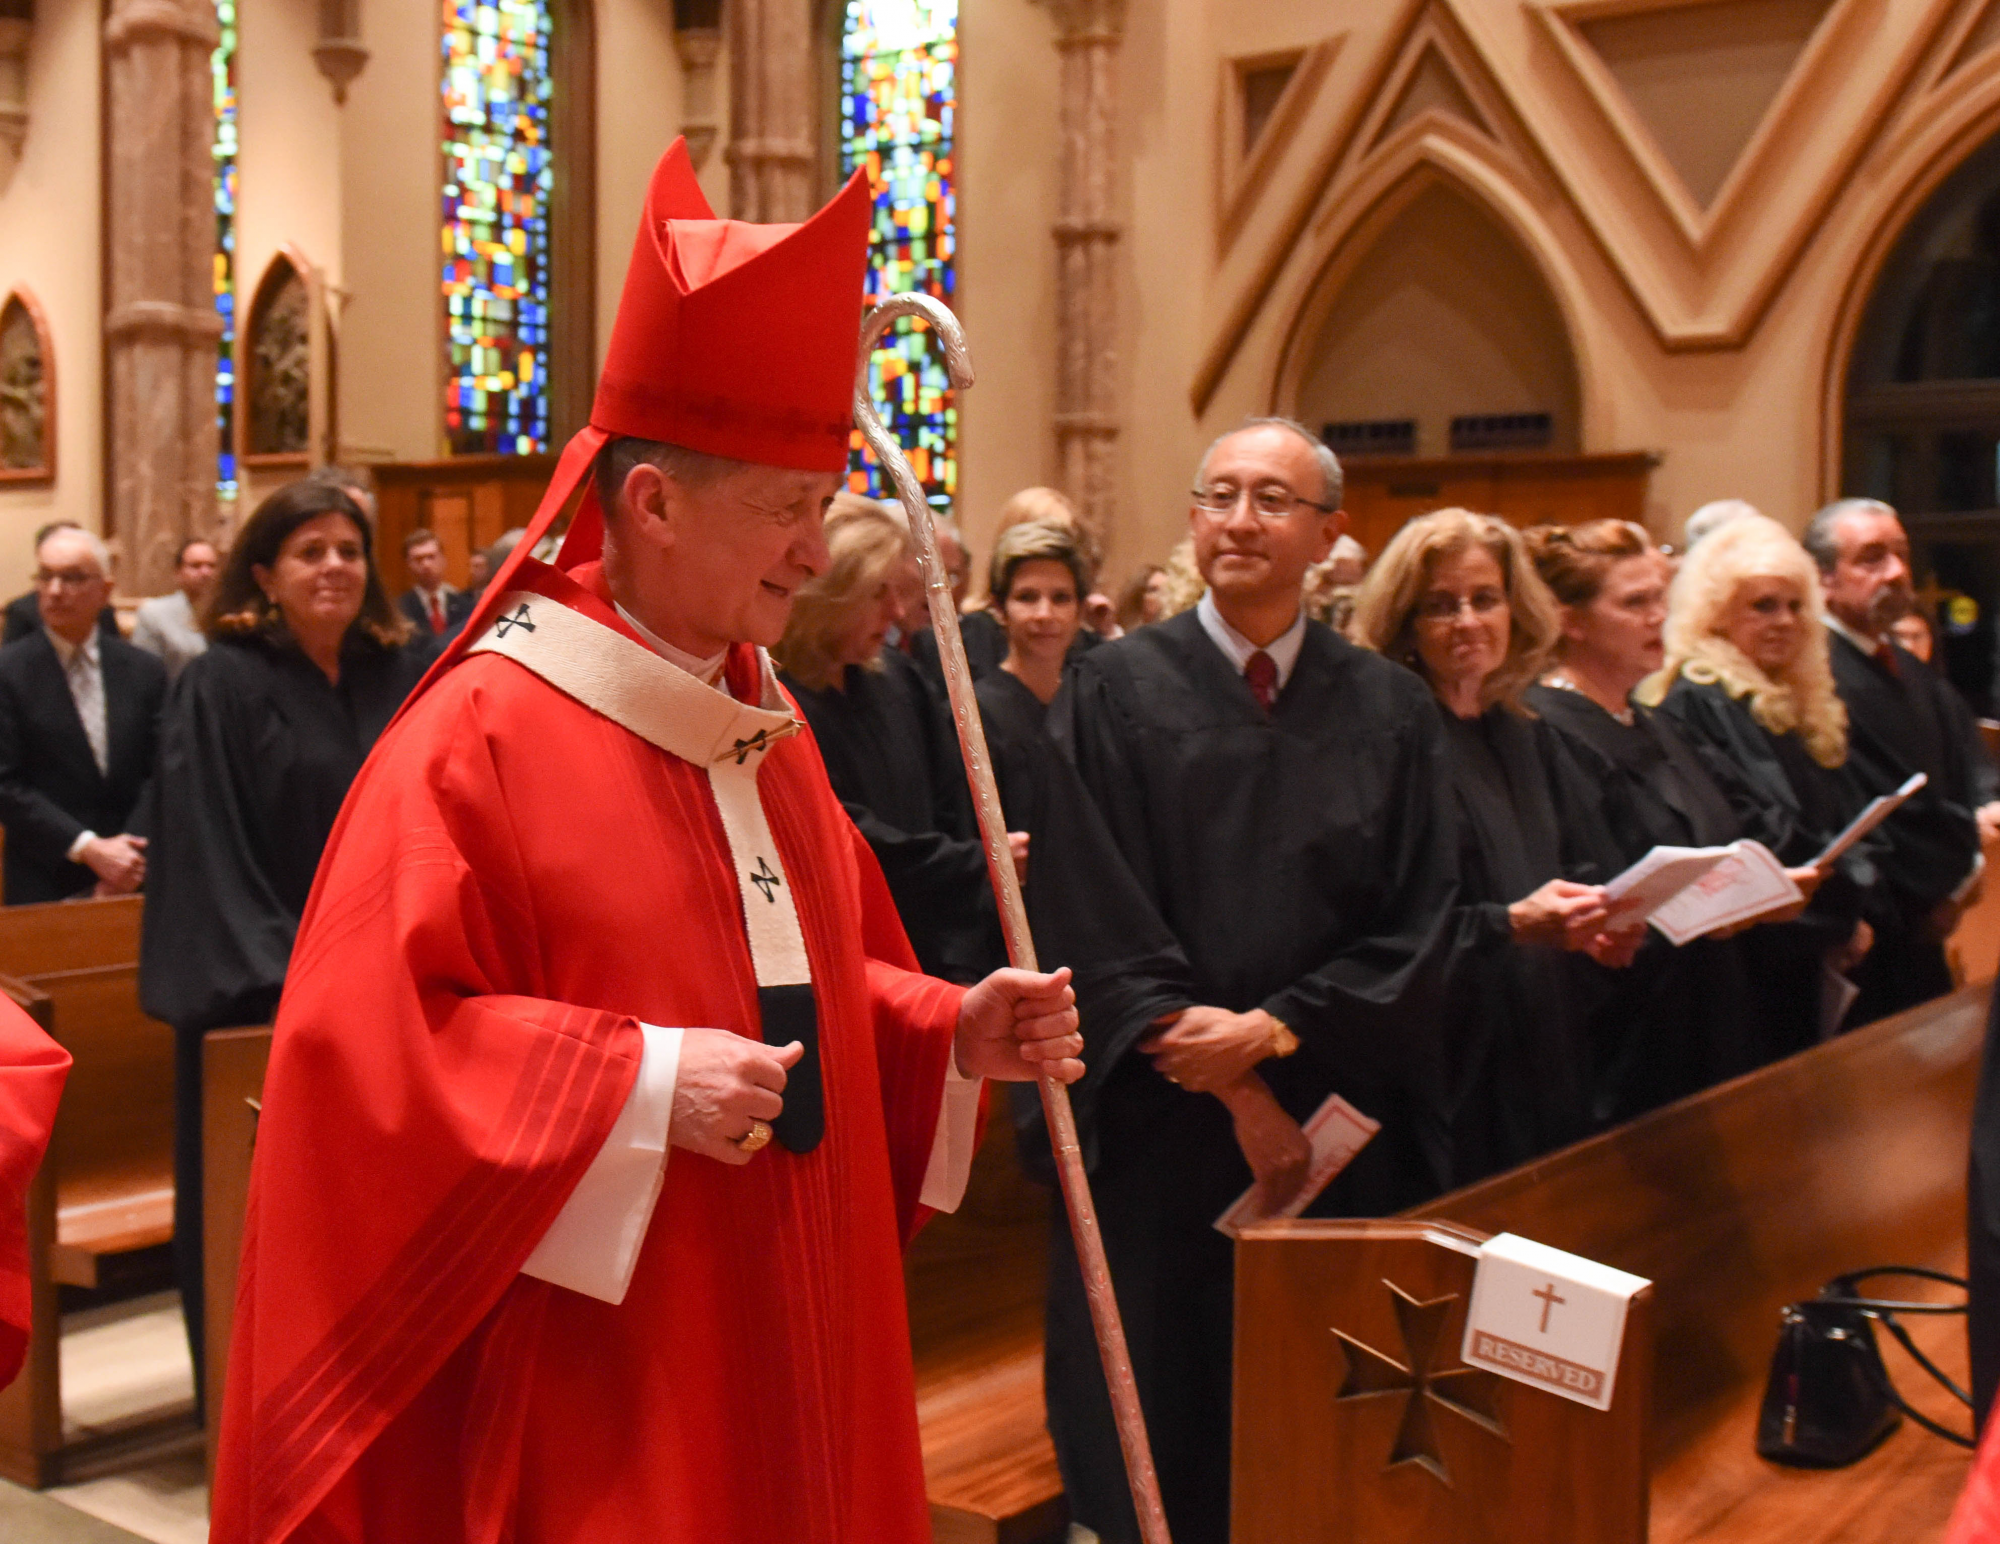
1006,886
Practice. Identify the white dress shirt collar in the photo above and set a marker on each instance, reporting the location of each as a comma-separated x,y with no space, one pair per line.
67,651
1866,645
1283,649
706,671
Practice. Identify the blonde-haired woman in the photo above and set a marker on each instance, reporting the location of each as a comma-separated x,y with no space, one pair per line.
889,749
1455,598
1748,683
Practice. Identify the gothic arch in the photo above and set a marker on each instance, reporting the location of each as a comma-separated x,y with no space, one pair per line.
1340,240
280,349
1941,134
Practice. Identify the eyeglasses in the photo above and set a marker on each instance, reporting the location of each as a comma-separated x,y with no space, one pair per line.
65,578
1271,501
1445,608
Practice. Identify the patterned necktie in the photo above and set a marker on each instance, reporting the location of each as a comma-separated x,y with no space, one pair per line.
1886,658
86,690
1260,673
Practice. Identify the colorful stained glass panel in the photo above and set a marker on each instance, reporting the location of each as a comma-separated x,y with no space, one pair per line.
497,182
899,106
222,82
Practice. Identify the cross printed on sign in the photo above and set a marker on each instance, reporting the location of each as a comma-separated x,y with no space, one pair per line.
765,880
518,618
1550,1297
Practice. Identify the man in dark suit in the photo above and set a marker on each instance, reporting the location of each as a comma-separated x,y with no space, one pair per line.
433,607
24,612
79,728
1900,720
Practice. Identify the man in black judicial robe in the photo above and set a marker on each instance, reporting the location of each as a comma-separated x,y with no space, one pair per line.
1279,797
892,757
1899,721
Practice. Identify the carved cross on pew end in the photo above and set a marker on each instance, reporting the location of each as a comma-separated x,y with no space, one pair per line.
1468,1392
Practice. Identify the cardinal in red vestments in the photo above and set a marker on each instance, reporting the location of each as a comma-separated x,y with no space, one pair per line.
32,1069
605,1091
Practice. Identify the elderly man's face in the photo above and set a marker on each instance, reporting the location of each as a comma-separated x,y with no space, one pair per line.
1870,583
1252,557
721,563
70,585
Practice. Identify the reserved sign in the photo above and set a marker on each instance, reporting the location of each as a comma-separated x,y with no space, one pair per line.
1552,1320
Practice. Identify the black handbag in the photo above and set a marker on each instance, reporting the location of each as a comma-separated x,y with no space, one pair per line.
1830,1400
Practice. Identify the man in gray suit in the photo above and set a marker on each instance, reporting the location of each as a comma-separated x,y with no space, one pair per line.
169,626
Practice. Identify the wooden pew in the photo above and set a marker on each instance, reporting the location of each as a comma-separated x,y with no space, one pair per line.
109,1170
1752,1195
975,1280
232,1087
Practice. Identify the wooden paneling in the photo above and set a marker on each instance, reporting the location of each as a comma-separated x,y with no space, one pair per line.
232,1086
1309,1468
1383,492
467,500
975,1281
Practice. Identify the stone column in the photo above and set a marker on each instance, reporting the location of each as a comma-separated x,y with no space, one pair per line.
1088,35
161,329
773,150
17,25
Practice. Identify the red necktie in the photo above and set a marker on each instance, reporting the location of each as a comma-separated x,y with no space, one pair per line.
437,611
1886,658
1260,673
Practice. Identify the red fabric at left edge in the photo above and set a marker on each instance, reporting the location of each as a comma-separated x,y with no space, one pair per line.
32,1070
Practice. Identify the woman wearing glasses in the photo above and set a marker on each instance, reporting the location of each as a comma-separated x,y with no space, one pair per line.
1455,599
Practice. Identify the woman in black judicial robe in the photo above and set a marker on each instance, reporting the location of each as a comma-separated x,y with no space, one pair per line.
262,737
1455,598
890,751
1747,684
1679,1019
1037,580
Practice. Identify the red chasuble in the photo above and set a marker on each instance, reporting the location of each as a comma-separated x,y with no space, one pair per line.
32,1069
515,884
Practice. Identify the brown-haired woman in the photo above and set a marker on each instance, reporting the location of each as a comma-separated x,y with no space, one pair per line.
1455,598
889,748
261,739
1681,1019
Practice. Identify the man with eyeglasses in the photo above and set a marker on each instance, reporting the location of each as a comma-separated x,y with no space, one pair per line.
23,614
79,724
1280,797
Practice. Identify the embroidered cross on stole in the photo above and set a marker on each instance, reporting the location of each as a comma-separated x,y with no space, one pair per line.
662,704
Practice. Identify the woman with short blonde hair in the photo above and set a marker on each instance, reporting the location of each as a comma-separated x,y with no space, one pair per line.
890,752
1454,598
1748,683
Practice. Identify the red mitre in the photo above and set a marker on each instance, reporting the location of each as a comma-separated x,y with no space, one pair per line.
734,339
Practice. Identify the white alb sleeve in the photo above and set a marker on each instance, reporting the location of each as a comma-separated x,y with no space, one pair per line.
951,1149
593,1244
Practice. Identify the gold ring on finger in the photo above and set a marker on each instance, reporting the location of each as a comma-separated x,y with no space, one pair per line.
755,1138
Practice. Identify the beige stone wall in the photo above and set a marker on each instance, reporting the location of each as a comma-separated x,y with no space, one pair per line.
49,218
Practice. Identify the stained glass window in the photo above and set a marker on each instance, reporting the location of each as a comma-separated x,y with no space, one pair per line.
899,105
497,182
222,81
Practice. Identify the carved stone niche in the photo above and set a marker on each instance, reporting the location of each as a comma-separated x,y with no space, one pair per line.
285,365
27,393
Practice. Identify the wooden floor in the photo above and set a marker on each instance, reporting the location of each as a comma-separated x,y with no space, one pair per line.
1902,1493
